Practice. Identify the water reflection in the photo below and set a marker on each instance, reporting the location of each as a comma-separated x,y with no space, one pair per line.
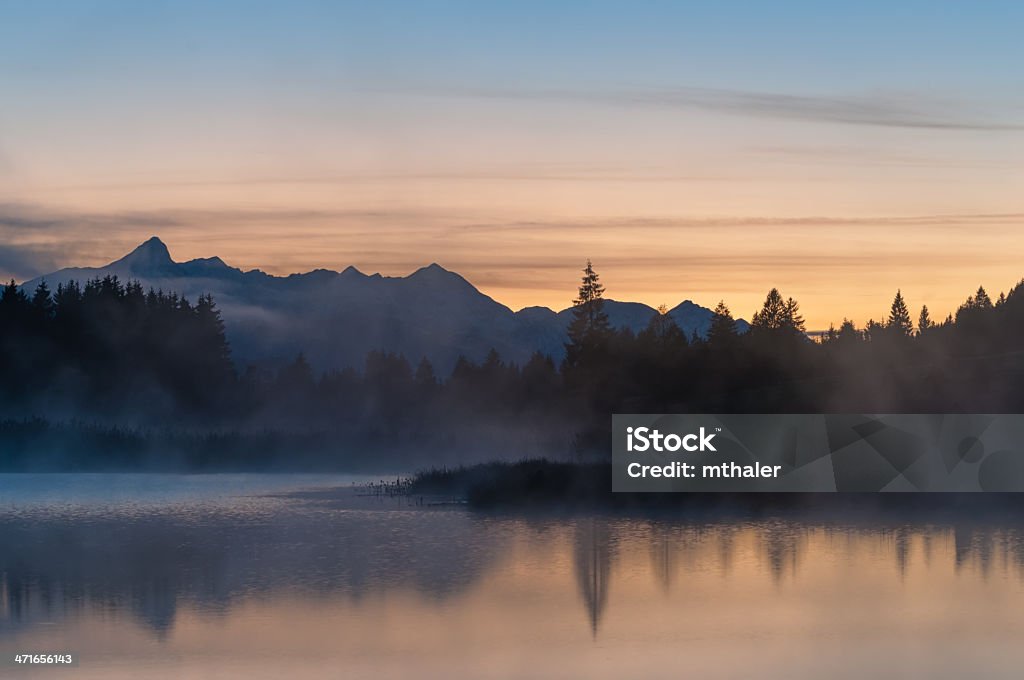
147,566
592,556
370,581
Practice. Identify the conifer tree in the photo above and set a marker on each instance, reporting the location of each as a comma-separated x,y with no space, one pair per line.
899,317
425,378
981,299
848,332
874,330
214,341
778,314
722,331
924,321
589,329
42,302
663,330
772,314
792,320
13,300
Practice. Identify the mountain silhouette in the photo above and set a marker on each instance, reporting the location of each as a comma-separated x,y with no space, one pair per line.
335,318
152,256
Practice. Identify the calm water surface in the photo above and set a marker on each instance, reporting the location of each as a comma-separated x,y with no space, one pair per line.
262,576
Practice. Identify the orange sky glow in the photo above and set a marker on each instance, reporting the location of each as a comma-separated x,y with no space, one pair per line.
692,158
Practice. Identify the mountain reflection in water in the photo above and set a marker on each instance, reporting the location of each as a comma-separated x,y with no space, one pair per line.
276,582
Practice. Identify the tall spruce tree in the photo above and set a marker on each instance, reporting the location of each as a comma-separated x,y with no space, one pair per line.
589,330
211,339
899,317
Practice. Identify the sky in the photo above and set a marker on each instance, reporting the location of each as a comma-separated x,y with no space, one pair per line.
692,150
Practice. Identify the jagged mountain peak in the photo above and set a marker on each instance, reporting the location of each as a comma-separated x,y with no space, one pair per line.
150,255
433,270
435,276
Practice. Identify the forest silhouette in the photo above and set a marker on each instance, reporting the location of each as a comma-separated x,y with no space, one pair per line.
114,375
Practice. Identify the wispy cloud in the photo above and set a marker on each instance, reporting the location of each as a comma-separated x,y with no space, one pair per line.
23,262
966,222
38,239
18,219
32,218
510,172
848,156
903,110
820,258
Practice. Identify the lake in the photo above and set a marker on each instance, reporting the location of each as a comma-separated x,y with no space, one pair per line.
271,576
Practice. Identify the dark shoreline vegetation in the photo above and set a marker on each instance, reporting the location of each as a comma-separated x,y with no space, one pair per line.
545,486
107,376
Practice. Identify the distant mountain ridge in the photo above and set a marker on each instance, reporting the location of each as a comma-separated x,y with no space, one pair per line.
335,318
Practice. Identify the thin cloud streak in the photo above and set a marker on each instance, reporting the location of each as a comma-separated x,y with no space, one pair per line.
369,223
510,175
845,157
15,217
963,221
829,262
20,217
873,109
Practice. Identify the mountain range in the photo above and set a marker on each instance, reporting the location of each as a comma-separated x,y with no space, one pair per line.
335,318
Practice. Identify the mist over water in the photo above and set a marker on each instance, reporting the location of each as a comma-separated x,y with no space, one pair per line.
262,576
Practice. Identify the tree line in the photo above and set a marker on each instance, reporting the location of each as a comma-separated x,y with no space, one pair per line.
972,361
108,347
111,352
